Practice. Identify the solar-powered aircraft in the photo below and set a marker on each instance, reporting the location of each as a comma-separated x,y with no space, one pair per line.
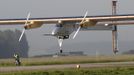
65,26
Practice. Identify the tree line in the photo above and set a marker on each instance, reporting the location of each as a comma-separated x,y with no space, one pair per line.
9,44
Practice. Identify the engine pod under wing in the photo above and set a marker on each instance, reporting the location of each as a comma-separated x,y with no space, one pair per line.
32,25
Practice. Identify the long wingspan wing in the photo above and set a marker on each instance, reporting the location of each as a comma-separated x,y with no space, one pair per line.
37,22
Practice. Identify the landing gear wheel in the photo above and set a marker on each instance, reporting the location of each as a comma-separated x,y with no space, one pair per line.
61,51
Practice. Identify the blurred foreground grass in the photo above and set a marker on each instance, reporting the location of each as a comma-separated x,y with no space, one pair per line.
83,71
67,60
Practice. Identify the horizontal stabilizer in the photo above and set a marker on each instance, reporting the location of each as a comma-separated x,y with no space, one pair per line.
48,35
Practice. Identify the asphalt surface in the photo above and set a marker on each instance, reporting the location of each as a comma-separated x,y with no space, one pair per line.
47,67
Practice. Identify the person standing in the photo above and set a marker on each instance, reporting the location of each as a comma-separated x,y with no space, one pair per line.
17,59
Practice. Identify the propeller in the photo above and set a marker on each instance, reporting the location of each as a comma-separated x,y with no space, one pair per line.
80,24
53,31
26,23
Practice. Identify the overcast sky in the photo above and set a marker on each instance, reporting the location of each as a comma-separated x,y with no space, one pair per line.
54,8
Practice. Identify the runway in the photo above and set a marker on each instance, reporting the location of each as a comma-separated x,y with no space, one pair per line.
65,66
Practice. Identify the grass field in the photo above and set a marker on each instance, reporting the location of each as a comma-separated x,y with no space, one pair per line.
83,71
67,60
71,60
